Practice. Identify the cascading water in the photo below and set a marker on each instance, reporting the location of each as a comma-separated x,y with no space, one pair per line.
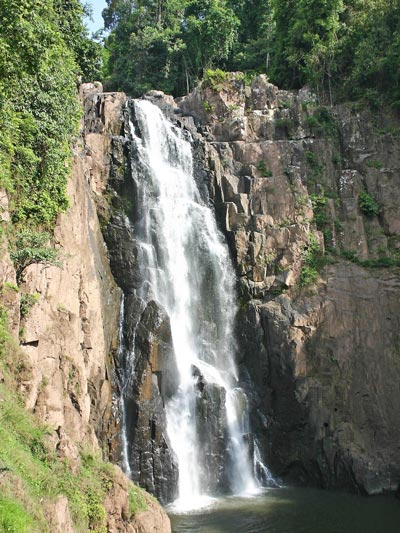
185,267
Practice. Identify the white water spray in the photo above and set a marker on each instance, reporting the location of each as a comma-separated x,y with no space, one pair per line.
185,267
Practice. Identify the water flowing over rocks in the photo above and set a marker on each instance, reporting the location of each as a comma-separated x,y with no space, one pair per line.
319,363
177,341
323,360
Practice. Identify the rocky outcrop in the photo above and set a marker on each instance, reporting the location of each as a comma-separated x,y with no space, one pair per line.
150,517
153,382
146,368
290,178
330,381
70,334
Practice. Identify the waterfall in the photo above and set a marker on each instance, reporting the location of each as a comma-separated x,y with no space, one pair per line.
185,267
127,370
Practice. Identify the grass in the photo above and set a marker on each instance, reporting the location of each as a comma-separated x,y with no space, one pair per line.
137,499
13,517
32,471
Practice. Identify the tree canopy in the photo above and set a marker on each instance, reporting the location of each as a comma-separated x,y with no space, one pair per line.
166,44
43,48
344,48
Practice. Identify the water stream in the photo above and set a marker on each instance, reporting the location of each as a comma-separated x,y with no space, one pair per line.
185,267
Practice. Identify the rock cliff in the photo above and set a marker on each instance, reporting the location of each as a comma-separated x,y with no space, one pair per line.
307,197
319,337
65,316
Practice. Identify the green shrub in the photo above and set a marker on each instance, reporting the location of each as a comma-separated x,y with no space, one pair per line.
208,108
30,247
318,203
262,168
368,205
247,77
215,78
322,122
27,302
313,261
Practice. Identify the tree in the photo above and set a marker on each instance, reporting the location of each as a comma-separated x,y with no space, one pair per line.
39,110
88,53
166,44
209,32
144,44
306,40
255,41
370,51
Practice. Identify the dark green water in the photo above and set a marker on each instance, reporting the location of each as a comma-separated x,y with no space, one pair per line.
293,510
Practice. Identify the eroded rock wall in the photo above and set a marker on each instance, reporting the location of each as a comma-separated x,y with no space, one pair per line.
286,173
69,330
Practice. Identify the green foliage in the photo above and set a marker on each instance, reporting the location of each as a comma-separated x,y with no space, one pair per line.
87,53
208,108
38,107
214,78
137,500
313,261
13,517
252,49
4,335
322,122
30,247
209,32
27,302
346,49
32,471
305,39
368,205
318,203
246,77
27,456
264,171
168,47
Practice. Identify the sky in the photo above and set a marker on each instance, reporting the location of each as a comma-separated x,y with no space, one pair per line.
97,23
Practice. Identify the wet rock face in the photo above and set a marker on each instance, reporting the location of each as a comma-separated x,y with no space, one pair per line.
153,381
211,429
320,363
147,371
